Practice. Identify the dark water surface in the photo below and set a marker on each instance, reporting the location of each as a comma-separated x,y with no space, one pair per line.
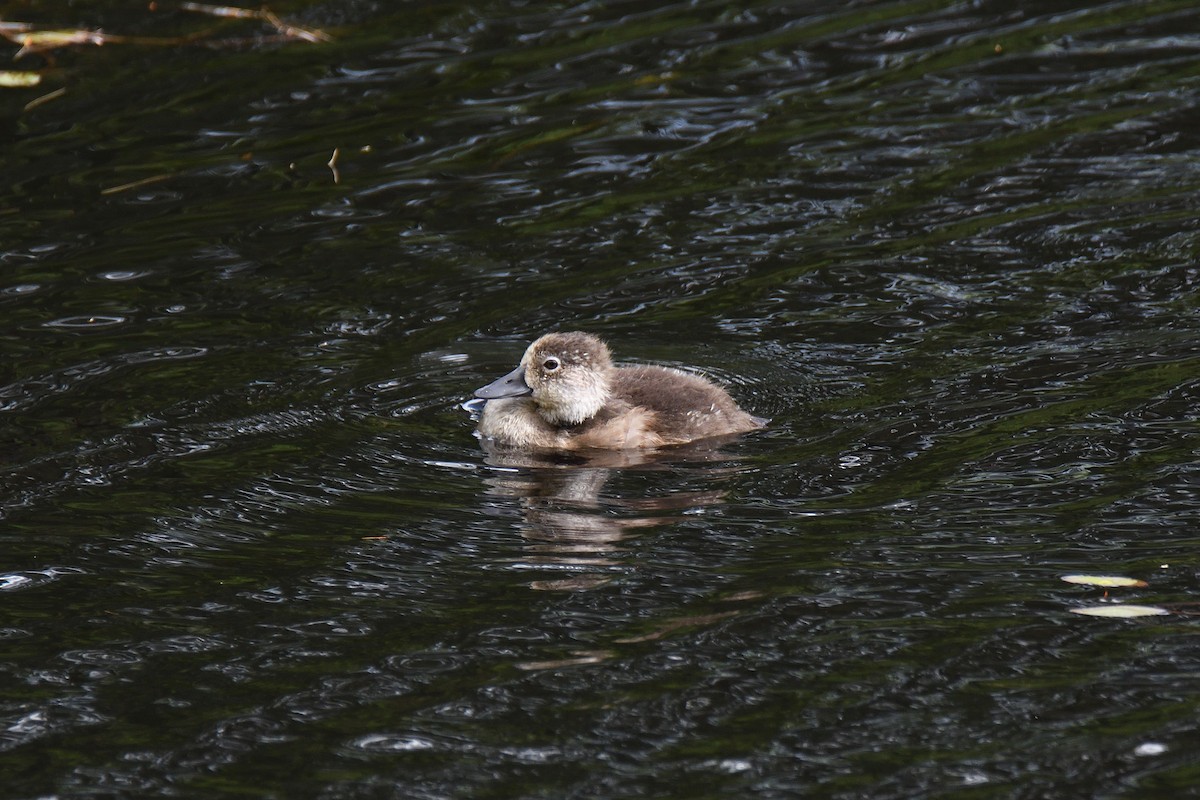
250,547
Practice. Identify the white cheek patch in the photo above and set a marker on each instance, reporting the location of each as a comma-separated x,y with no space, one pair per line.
572,402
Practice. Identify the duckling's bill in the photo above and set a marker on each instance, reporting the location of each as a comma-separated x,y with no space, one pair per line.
511,385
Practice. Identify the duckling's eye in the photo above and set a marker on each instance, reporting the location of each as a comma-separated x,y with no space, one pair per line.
550,364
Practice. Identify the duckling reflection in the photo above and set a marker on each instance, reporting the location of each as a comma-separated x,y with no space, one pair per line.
571,526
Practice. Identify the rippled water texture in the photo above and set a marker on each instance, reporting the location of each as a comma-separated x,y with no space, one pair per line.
251,547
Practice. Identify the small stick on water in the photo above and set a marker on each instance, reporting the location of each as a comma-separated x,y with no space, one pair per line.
221,11
124,187
37,41
46,98
295,31
337,176
264,14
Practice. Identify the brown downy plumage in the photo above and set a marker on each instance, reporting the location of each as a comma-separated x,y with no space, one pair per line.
568,395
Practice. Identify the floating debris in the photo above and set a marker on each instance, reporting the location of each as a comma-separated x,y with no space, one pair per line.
124,187
1121,611
19,80
46,98
264,14
34,40
1107,581
337,176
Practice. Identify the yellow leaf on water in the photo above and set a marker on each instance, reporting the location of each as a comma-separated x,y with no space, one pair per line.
1123,612
1107,581
19,79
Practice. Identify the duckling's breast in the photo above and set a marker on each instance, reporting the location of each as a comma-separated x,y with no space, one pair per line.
515,422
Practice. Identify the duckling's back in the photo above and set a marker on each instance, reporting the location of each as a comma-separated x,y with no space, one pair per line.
685,406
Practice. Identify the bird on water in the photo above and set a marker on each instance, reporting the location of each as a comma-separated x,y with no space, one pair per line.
567,394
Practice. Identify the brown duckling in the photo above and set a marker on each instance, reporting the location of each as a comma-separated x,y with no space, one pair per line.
568,395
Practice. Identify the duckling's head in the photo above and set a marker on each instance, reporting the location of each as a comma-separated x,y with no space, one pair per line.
567,375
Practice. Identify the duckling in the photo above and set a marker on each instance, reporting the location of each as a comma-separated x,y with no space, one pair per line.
568,395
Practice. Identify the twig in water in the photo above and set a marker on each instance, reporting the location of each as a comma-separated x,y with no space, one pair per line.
46,98
38,41
337,176
124,187
264,14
